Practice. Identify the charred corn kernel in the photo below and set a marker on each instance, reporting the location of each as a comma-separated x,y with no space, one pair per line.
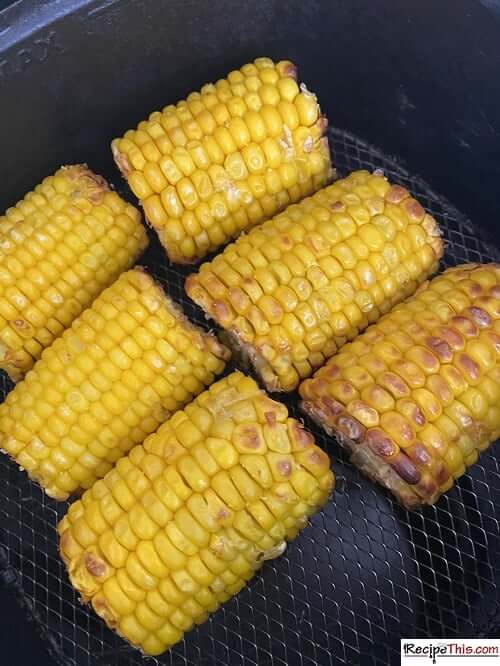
428,375
293,290
130,395
263,132
157,583
61,246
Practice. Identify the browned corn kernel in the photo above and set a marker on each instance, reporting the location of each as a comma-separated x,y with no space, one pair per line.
61,246
227,158
186,519
295,289
124,365
433,403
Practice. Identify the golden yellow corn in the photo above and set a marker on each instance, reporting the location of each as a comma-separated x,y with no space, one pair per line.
416,398
226,158
182,523
59,248
295,289
122,368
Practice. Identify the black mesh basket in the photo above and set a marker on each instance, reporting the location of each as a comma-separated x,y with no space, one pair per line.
363,574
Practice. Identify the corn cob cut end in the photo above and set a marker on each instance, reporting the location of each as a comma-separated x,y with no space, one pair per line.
415,399
120,159
209,341
248,356
182,523
14,363
88,185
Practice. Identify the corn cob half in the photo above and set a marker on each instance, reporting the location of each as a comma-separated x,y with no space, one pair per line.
295,289
124,365
182,523
416,398
226,158
59,248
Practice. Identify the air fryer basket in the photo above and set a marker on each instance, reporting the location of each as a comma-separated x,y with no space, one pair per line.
364,573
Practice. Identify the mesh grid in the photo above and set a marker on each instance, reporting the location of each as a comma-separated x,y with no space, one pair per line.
362,574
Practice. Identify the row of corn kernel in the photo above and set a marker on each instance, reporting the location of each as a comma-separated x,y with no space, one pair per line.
54,242
105,385
180,525
300,285
202,161
424,382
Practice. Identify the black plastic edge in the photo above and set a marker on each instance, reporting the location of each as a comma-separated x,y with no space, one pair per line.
24,17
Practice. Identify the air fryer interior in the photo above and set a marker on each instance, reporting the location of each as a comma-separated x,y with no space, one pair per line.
417,80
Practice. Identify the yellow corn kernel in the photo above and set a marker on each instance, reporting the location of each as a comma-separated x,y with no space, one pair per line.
288,89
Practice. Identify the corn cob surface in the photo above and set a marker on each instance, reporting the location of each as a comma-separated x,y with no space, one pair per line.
59,248
416,398
295,289
182,523
124,365
226,158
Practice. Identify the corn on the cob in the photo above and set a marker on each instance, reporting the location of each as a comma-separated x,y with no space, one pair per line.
226,158
416,398
59,248
295,289
181,524
124,365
